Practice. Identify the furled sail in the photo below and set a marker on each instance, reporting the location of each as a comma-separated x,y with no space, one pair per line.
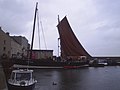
70,46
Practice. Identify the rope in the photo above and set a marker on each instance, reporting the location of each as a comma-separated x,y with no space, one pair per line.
42,30
38,29
43,34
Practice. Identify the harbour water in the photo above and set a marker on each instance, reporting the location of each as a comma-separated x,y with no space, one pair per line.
90,78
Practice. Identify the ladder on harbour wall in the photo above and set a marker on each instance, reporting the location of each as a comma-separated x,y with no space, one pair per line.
3,85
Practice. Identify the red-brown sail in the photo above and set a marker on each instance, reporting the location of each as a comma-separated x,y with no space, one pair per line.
70,46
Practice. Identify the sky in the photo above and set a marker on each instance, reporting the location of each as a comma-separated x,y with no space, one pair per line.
96,23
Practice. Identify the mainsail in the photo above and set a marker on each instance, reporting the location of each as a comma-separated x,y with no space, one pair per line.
70,46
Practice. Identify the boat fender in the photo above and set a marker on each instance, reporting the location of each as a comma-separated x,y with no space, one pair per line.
22,83
54,83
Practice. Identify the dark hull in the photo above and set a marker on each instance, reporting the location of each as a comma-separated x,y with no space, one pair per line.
48,63
96,65
14,87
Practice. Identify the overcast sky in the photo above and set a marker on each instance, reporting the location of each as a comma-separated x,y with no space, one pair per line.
96,23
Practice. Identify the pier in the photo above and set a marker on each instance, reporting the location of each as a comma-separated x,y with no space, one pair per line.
3,85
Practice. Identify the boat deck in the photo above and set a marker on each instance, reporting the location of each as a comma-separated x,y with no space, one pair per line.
47,67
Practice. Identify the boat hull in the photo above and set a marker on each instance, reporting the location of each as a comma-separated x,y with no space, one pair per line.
96,65
15,87
48,63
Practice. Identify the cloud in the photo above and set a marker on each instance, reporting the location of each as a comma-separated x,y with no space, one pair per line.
94,22
99,32
14,16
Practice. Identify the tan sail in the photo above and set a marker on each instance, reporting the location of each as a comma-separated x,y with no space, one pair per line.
70,46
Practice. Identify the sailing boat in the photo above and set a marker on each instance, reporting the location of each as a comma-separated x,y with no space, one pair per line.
22,79
73,55
71,49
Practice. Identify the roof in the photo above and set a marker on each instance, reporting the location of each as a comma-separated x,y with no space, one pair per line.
22,71
43,50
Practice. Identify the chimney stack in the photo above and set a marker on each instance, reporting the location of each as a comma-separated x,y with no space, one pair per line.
8,33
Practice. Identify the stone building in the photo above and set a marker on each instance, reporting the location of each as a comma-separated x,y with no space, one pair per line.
12,46
5,43
23,42
16,49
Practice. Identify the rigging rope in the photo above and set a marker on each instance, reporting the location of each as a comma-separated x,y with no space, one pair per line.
42,30
43,34
38,29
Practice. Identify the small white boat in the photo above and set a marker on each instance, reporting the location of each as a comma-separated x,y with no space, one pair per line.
21,79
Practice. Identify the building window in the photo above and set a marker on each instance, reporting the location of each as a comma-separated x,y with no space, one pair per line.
4,48
8,52
4,41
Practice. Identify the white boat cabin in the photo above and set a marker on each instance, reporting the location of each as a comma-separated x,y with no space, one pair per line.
21,77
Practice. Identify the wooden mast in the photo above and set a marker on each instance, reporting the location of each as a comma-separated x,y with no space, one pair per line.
58,37
33,31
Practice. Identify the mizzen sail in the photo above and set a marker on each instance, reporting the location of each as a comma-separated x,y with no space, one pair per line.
70,46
